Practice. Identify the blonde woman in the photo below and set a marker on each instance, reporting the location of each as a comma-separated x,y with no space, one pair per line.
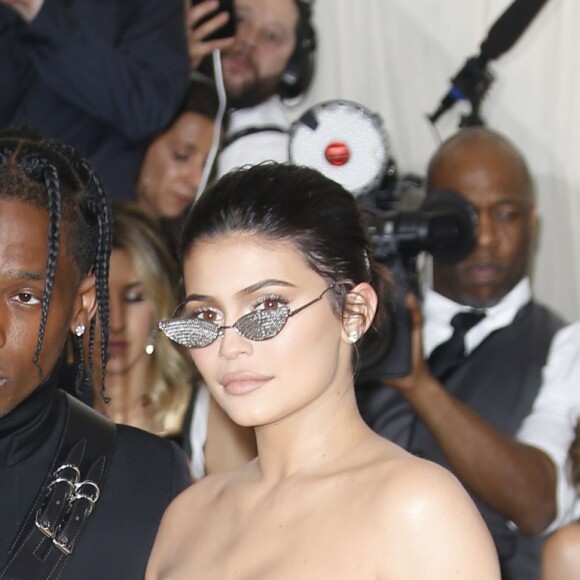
148,380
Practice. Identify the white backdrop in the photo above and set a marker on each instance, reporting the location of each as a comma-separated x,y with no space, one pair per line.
396,57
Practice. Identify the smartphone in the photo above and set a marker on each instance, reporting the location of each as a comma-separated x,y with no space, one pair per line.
229,28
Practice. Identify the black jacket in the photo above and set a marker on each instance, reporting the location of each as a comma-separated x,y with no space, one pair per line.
101,75
145,474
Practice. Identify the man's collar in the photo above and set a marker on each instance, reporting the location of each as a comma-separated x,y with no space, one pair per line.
438,311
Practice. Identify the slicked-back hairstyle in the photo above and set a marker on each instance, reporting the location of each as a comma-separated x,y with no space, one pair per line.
299,205
52,176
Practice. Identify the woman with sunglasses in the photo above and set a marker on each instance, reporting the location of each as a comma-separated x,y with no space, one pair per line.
280,288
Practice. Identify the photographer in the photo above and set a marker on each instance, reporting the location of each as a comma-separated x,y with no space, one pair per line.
463,409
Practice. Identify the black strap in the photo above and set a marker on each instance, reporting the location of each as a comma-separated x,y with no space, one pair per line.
251,131
46,539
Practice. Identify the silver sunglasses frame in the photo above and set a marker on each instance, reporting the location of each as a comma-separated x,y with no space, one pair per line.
184,330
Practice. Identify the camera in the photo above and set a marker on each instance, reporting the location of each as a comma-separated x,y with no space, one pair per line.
444,226
348,143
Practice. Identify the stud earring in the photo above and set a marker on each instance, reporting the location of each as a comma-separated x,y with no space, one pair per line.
150,346
353,336
80,329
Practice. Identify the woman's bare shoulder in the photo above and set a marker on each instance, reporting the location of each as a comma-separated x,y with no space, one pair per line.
186,518
205,490
428,521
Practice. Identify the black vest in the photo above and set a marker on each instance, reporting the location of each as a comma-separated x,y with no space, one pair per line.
499,380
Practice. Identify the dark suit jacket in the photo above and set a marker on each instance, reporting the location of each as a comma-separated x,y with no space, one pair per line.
100,75
145,474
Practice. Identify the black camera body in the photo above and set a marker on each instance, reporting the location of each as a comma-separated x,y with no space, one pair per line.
443,226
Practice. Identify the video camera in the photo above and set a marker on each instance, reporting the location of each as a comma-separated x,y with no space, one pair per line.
443,226
347,143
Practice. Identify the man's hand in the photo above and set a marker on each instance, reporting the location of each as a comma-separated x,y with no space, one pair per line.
420,375
198,47
28,9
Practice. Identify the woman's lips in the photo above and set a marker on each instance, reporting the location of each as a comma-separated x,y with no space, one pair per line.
182,200
116,347
242,383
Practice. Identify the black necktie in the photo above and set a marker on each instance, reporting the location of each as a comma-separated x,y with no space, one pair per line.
451,353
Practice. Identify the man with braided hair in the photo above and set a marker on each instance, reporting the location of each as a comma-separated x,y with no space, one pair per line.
95,514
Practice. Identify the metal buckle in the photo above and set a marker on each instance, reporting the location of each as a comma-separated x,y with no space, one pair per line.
59,476
44,529
87,490
91,498
62,547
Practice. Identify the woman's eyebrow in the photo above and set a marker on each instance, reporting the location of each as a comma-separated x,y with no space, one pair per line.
263,284
245,291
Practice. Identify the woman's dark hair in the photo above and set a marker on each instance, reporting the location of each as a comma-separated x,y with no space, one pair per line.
201,98
283,202
52,176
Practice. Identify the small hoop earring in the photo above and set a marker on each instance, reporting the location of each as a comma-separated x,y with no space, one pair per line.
80,329
353,336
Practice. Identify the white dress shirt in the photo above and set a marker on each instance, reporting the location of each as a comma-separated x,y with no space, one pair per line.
551,424
438,312
258,147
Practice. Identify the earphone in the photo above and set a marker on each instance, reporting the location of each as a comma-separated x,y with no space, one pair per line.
300,68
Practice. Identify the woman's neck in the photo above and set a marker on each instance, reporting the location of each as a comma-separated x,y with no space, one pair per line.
313,438
128,392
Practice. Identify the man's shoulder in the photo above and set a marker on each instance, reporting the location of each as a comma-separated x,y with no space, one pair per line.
269,112
545,315
139,454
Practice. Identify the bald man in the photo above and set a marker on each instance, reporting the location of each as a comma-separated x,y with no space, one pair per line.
465,417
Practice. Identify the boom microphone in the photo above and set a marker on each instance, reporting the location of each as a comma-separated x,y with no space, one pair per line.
509,27
473,79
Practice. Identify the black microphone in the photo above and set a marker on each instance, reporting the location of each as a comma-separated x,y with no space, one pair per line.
509,27
473,80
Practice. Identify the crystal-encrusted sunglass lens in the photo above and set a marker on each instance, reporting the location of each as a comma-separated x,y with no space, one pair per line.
190,332
262,324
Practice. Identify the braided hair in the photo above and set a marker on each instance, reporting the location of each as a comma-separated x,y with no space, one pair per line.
52,176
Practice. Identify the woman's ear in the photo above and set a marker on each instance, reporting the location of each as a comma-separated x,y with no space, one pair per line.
359,311
85,304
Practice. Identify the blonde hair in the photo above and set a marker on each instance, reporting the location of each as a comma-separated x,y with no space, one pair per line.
171,372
